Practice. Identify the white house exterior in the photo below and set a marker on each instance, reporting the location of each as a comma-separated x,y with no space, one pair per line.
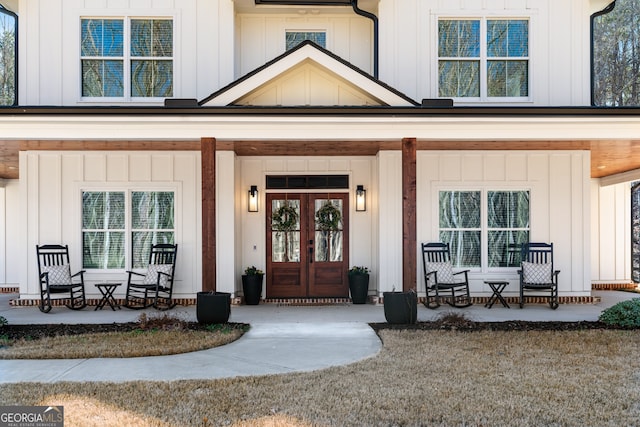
351,109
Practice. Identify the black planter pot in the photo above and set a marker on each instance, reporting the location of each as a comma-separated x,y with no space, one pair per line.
400,307
252,288
359,288
213,307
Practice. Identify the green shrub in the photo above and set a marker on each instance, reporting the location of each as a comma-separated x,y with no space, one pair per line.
624,314
3,321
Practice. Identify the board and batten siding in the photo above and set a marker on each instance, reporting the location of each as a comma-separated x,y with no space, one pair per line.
262,38
611,260
49,46
559,48
559,187
213,45
52,183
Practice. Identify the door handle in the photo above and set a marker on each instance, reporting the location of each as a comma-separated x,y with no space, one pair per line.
310,254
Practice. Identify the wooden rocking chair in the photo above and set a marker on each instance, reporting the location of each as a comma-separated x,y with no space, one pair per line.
156,287
440,280
538,279
55,278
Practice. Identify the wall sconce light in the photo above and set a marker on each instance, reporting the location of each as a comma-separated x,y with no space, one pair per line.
252,205
361,199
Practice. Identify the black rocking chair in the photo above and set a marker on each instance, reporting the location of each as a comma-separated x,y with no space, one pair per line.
538,279
156,287
440,280
54,277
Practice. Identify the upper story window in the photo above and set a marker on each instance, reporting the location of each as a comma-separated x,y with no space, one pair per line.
127,58
8,57
294,38
481,59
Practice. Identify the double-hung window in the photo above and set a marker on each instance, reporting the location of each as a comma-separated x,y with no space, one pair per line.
119,227
484,228
483,59
128,58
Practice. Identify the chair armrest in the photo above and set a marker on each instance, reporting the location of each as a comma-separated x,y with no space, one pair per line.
466,276
462,272
137,274
428,278
79,273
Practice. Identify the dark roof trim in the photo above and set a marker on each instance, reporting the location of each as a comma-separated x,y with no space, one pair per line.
376,34
306,2
321,49
417,111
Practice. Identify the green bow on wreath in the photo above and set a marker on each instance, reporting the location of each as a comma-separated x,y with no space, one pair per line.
328,217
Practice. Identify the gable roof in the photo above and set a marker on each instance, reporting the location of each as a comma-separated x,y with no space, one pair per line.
317,67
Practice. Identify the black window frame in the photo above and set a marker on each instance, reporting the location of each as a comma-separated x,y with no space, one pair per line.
6,11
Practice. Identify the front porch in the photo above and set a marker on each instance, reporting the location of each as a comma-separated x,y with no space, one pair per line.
272,312
594,299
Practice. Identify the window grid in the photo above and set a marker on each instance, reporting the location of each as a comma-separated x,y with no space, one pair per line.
117,235
294,38
467,71
117,68
481,226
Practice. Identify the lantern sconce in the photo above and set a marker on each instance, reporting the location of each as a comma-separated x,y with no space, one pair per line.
252,205
361,199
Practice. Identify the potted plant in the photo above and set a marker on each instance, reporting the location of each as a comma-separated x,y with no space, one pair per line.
213,307
400,307
359,284
252,285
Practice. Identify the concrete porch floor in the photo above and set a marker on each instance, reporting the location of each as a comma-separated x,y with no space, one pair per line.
282,313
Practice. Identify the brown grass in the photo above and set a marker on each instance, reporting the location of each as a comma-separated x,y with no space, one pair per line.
428,378
118,344
155,335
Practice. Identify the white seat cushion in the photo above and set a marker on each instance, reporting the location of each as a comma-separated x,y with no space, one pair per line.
536,273
151,278
58,274
443,270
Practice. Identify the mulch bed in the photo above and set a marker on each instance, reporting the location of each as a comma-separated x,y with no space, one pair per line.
511,325
51,330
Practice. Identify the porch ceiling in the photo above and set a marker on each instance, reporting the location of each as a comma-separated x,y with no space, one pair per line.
608,157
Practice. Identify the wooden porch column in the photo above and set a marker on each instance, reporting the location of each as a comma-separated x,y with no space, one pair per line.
208,159
409,214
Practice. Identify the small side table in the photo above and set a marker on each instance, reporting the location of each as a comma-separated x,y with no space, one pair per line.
497,286
107,289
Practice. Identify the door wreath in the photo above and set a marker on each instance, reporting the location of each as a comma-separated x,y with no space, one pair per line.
328,217
285,218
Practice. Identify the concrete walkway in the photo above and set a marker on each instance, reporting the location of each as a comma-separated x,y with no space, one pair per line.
282,339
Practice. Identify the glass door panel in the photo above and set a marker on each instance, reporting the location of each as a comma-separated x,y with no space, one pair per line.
285,229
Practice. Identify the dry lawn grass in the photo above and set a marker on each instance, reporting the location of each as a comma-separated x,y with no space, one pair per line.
426,378
136,343
154,335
